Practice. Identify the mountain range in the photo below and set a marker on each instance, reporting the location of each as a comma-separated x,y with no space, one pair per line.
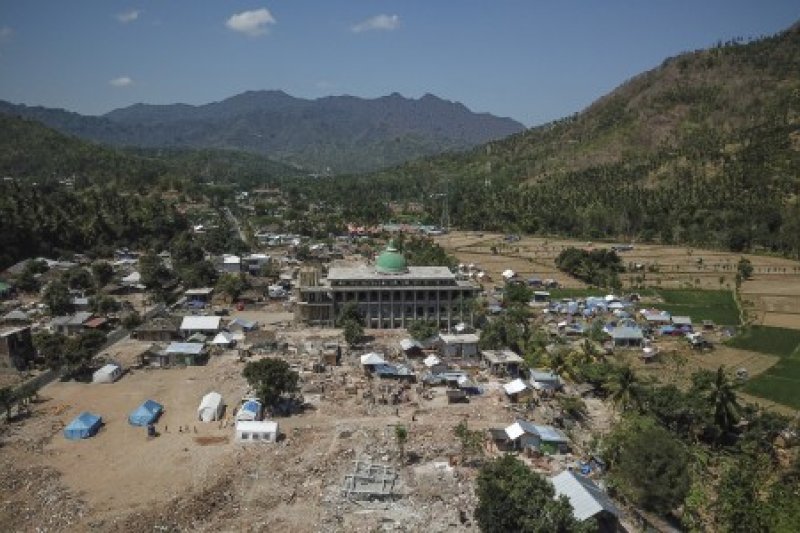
341,133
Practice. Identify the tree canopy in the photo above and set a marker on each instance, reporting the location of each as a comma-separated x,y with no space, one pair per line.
513,498
271,379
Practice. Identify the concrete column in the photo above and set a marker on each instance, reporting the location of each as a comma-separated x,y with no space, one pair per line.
368,319
380,309
391,309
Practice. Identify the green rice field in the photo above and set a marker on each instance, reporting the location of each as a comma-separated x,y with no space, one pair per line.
781,383
718,306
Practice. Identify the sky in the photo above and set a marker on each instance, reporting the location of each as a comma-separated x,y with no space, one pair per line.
531,60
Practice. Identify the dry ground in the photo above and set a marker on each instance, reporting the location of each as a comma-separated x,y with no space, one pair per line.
201,480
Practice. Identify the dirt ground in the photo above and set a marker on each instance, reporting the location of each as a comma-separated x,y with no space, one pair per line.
199,479
772,294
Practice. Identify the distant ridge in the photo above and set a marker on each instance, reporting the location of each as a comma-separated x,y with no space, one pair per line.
344,133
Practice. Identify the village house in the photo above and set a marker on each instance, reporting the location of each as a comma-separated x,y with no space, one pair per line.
545,381
199,297
517,391
70,324
179,353
627,337
204,325
463,345
587,500
158,329
502,362
526,436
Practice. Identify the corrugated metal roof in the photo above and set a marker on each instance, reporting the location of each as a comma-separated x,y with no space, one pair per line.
550,434
192,348
202,323
626,332
585,497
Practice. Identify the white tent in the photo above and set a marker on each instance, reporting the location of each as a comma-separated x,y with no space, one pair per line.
223,339
372,358
134,278
211,407
508,274
107,374
515,387
256,431
431,361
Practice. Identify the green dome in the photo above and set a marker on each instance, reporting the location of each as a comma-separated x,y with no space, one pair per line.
391,261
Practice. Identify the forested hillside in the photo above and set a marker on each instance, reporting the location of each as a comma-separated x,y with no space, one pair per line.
49,221
33,152
704,149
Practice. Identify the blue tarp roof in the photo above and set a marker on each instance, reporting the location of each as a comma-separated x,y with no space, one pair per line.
147,413
83,426
252,405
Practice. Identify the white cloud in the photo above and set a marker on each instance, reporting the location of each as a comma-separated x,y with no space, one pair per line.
5,33
122,81
128,16
252,23
378,22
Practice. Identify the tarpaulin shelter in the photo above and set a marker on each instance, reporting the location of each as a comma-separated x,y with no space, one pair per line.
145,414
83,426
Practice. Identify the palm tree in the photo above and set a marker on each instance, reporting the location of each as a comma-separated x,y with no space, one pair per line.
722,398
624,388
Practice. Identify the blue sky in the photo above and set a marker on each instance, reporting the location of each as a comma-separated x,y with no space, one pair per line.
531,60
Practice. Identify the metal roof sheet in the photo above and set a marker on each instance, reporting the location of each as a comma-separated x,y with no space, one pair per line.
586,498
202,323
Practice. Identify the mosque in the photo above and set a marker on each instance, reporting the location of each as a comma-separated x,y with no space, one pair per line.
389,294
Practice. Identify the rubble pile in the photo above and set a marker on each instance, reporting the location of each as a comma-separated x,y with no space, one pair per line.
35,496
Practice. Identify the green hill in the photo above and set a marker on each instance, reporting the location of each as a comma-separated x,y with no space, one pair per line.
704,149
32,152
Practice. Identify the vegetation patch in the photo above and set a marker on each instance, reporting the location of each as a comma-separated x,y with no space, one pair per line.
781,383
782,342
718,306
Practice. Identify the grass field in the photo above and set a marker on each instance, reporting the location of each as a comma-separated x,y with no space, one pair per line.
782,342
780,383
718,306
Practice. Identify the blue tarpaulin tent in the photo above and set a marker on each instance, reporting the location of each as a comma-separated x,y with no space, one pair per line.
250,410
145,414
84,425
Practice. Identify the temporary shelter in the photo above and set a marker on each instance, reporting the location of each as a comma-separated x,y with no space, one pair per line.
107,374
372,359
223,339
211,407
256,431
83,426
250,411
431,361
145,414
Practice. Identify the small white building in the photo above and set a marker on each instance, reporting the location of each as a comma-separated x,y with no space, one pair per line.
107,374
459,345
211,407
207,325
231,264
256,431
